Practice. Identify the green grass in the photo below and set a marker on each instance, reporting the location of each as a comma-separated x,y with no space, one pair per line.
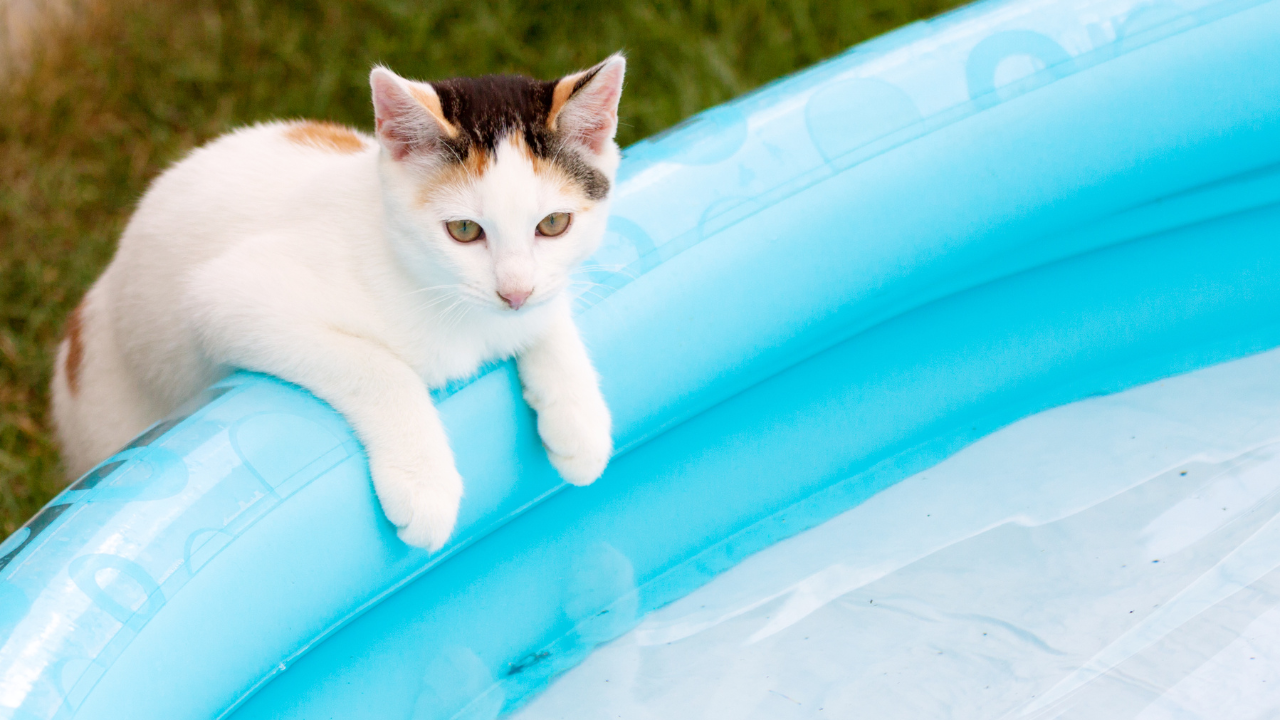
132,85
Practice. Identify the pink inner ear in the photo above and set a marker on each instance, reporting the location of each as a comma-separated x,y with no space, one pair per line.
591,115
402,125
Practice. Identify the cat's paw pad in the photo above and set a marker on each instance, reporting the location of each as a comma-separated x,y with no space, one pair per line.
577,440
422,501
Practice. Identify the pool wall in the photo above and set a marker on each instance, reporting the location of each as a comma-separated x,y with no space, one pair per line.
805,295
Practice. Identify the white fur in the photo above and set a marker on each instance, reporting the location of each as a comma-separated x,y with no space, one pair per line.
325,269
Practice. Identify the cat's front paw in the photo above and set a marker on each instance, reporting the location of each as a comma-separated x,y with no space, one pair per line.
577,439
420,498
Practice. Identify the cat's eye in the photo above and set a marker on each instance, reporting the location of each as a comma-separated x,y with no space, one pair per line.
554,224
465,231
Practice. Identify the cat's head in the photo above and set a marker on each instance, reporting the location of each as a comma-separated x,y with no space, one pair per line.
497,187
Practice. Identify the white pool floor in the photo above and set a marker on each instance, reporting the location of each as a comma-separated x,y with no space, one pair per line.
1113,558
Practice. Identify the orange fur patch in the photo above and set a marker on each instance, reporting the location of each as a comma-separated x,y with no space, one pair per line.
455,176
431,102
325,136
476,162
561,95
554,173
452,177
75,348
522,147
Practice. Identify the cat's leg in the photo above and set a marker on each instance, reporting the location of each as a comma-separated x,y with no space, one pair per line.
280,319
562,386
391,412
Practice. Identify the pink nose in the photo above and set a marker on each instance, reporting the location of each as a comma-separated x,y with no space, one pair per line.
515,298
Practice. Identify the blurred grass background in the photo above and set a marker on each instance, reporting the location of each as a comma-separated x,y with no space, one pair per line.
107,93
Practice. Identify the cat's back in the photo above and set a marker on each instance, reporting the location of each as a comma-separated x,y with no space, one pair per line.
275,151
271,177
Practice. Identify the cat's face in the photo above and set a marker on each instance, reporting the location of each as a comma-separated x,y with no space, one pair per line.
497,187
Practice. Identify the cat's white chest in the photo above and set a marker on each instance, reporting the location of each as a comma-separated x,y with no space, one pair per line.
444,353
438,365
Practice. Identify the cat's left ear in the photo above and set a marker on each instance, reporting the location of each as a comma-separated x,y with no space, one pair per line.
584,105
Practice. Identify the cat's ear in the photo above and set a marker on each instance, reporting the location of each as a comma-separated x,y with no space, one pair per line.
584,105
408,115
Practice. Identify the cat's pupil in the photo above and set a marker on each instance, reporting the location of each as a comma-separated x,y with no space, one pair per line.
554,224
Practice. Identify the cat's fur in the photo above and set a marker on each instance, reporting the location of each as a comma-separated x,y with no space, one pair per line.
320,255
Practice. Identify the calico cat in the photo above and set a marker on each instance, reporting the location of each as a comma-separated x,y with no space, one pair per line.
367,270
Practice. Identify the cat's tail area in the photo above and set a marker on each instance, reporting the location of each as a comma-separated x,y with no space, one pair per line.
97,407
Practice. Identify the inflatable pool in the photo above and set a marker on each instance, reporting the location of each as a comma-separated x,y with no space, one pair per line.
806,296
1111,558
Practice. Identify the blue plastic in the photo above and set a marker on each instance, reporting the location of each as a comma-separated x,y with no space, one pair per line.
1114,558
820,288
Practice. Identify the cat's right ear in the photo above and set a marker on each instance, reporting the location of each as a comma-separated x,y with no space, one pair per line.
408,115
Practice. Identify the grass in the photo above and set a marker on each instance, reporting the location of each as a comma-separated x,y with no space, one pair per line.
126,87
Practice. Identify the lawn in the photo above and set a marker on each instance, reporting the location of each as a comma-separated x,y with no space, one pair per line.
109,98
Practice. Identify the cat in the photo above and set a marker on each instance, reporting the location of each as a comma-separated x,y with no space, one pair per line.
367,270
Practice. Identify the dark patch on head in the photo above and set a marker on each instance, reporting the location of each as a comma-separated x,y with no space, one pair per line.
486,110
593,182
586,78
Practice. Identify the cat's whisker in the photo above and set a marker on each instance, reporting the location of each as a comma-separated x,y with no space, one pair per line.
600,292
598,295
433,302
589,284
452,307
612,269
443,316
420,307
593,295
455,315
428,289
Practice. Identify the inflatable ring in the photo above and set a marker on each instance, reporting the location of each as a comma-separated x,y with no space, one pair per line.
805,296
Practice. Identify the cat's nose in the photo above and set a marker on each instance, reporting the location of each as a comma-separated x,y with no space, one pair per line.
515,298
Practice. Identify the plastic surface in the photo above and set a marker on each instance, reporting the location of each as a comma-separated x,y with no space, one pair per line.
1112,558
823,287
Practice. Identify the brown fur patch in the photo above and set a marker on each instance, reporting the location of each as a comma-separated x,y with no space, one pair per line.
325,136
555,173
75,348
477,161
432,103
489,110
452,176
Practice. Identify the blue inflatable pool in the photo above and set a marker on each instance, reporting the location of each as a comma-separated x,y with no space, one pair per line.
806,295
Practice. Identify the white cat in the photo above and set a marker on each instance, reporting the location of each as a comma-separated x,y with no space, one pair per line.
365,270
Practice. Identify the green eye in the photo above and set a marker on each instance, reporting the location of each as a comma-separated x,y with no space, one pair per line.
465,231
554,224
